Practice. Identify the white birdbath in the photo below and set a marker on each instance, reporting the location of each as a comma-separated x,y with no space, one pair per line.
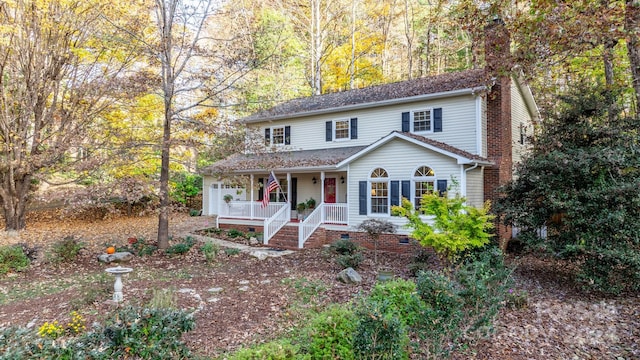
117,287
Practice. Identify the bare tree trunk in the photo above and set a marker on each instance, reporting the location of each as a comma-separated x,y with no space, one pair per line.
316,47
632,27
352,63
607,59
166,13
14,201
409,33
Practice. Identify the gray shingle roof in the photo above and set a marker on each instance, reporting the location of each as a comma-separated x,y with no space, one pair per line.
282,160
394,91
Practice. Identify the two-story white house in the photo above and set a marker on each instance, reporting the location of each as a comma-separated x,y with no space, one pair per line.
358,152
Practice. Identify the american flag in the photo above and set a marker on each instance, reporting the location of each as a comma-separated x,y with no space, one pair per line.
272,184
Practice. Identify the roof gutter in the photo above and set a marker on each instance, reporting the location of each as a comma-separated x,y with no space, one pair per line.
403,100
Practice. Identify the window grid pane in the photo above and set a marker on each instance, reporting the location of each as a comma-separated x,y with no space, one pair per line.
342,129
379,198
278,136
422,121
422,187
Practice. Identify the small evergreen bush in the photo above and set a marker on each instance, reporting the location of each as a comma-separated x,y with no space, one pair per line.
348,253
328,334
65,250
379,333
13,258
274,350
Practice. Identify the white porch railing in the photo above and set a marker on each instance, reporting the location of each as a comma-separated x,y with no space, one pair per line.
274,223
335,213
325,213
249,209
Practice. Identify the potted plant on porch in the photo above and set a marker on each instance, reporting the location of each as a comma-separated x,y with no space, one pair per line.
300,208
227,198
311,203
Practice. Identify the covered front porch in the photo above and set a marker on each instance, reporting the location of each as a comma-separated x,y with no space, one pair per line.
304,200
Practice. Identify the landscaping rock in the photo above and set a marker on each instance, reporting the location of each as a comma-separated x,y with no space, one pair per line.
349,276
119,257
260,255
253,241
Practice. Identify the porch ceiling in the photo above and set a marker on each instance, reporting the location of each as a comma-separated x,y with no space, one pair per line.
284,160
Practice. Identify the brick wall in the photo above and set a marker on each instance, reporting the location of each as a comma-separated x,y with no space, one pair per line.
499,137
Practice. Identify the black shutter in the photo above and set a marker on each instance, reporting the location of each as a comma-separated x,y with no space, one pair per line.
267,136
287,135
437,120
395,193
294,193
260,188
329,130
405,122
362,197
354,128
442,187
406,189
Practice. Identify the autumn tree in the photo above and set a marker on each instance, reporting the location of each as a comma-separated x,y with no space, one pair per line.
195,71
61,70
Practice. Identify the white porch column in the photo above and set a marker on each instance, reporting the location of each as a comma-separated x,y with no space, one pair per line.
251,199
289,190
219,200
321,187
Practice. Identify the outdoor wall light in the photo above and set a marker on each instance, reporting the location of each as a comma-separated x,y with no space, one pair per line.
342,179
314,180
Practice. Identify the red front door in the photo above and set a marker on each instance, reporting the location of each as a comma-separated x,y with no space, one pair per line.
330,190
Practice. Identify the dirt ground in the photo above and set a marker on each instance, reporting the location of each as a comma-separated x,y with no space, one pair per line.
240,300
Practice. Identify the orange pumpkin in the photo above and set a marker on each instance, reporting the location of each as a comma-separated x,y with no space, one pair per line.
111,250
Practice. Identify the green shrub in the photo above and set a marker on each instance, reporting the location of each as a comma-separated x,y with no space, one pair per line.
146,333
402,297
210,251
349,260
65,250
462,304
328,334
131,333
182,247
379,333
139,247
231,251
344,247
456,227
611,270
234,233
422,261
13,258
348,253
275,350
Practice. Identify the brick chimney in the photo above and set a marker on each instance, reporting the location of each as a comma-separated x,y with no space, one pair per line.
499,137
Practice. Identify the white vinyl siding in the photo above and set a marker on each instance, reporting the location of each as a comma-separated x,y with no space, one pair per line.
520,120
458,123
475,188
400,159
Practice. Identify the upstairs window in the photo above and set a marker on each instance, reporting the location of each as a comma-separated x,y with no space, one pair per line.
342,129
422,121
277,136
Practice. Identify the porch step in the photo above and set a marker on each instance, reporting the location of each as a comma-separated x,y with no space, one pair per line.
287,238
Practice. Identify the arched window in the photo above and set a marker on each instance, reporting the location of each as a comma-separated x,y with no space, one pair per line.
379,191
424,183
